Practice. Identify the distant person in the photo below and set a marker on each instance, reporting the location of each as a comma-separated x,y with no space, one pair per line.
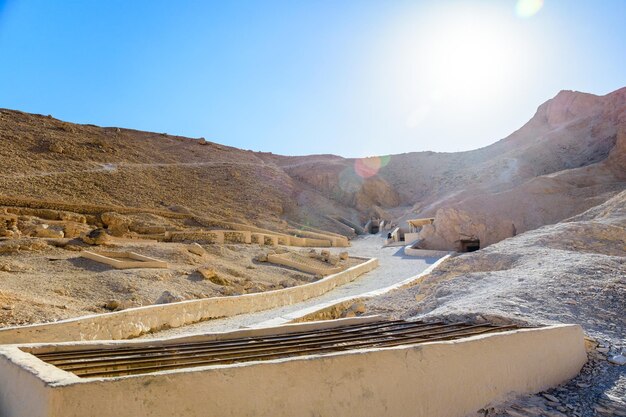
389,235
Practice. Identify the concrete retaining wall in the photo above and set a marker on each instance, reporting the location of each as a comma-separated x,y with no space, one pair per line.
136,321
442,379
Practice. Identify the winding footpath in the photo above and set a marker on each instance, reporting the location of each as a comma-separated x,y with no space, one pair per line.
394,267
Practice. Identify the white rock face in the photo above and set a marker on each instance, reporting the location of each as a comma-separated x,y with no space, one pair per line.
452,225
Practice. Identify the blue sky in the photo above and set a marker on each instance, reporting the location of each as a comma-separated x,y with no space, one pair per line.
351,77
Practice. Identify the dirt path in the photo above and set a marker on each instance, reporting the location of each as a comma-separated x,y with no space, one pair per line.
394,267
114,167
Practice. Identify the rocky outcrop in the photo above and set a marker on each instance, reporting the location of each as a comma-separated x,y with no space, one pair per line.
116,224
96,237
8,225
453,225
43,230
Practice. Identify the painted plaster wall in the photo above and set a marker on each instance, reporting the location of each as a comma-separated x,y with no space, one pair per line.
136,321
443,379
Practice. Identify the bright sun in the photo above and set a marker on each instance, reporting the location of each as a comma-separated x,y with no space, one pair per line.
468,57
465,56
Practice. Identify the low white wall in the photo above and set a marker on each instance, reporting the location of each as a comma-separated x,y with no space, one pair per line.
410,237
136,321
131,259
319,311
283,259
409,251
442,379
22,392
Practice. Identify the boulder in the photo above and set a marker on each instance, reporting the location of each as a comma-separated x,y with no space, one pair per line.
116,224
333,260
112,305
196,249
96,237
210,275
73,229
8,225
169,297
45,231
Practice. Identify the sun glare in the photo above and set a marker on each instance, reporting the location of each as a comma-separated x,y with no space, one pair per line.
461,57
473,55
528,8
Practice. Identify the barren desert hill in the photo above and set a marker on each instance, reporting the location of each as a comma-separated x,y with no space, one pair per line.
583,157
571,130
47,159
568,151
567,158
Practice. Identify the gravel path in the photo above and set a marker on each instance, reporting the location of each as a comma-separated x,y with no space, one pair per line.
394,267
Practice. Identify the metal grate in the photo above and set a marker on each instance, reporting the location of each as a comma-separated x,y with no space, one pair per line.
145,358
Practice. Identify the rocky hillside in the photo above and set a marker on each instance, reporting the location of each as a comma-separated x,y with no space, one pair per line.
570,156
47,159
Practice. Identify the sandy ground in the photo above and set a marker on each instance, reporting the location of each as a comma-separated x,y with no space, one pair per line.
393,268
53,283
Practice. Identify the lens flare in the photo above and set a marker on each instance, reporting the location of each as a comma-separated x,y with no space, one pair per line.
368,167
528,8
349,182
